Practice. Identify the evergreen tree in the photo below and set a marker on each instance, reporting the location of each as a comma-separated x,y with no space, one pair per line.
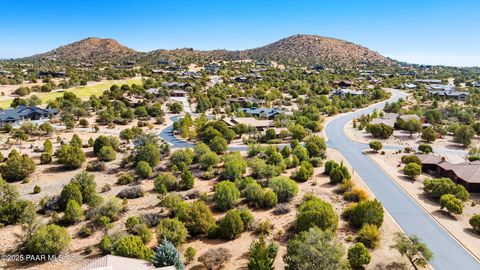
167,255
187,180
262,256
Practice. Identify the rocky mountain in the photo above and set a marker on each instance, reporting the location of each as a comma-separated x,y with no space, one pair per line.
311,49
298,49
91,49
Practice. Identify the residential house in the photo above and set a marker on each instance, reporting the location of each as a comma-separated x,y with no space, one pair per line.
177,85
410,86
344,92
239,79
476,84
428,81
343,84
111,262
53,74
178,93
446,91
250,121
388,119
245,100
460,171
25,113
154,91
211,69
266,113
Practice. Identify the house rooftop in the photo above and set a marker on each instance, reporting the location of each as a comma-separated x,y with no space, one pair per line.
111,262
249,121
21,112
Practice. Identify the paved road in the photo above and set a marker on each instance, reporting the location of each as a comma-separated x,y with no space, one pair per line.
448,253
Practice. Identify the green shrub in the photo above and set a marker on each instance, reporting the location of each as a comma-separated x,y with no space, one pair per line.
172,230
37,189
106,153
143,169
131,246
412,170
284,188
329,166
406,159
187,181
358,256
231,225
375,145
451,203
102,141
316,212
17,167
71,157
70,192
45,158
262,256
369,235
437,187
425,148
226,195
198,218
367,212
189,254
125,179
168,180
475,222
48,239
73,212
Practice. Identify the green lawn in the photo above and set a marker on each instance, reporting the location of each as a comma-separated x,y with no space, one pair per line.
83,92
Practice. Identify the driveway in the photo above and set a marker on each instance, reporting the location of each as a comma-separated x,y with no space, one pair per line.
448,253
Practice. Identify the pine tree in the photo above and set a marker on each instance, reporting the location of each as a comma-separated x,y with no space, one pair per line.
73,212
167,255
262,256
187,180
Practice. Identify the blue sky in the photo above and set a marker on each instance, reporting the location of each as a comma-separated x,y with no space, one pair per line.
428,31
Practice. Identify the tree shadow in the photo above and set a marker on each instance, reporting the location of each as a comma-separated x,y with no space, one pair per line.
472,232
443,214
390,266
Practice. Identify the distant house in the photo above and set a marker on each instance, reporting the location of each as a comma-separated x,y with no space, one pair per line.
476,84
165,62
4,72
111,262
239,79
440,87
211,68
408,73
343,84
53,74
410,86
344,92
260,112
153,91
249,121
177,85
428,81
460,171
178,93
244,100
446,91
388,119
25,113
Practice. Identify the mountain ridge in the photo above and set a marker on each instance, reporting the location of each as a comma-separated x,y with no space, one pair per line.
297,49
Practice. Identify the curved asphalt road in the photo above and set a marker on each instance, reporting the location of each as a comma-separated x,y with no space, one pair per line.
448,253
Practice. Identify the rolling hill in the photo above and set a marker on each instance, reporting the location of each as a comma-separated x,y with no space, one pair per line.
297,49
